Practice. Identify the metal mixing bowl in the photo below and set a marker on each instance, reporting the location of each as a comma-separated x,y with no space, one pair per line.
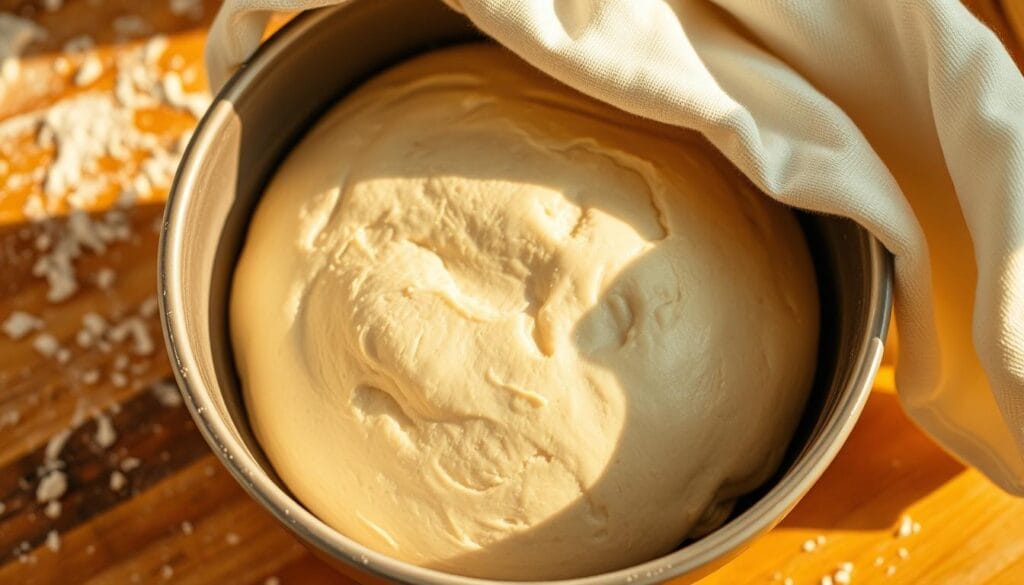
253,123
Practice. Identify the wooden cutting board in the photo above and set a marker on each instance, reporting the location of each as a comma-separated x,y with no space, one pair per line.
146,501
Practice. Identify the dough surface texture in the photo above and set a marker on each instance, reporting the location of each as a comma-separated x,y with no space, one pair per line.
489,326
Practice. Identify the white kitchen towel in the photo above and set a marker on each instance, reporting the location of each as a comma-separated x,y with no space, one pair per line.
906,116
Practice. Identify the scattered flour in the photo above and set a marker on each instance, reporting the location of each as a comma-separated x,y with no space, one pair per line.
53,509
80,233
167,394
86,132
105,435
55,445
19,324
149,307
95,149
117,481
105,278
46,344
52,486
136,330
176,96
53,541
89,71
130,463
906,527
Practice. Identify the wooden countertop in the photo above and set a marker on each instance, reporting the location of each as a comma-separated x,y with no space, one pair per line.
146,501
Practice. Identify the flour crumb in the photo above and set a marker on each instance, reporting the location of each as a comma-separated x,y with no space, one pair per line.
46,344
129,463
166,571
175,95
105,434
879,561
902,553
59,272
167,394
117,481
19,324
52,486
53,5
62,66
94,327
154,49
809,545
53,509
186,528
906,527
90,377
232,539
272,581
890,571
137,330
118,379
105,278
80,232
826,580
55,445
149,307
89,71
43,242
53,541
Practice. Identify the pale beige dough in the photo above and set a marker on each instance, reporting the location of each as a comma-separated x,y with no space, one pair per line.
489,326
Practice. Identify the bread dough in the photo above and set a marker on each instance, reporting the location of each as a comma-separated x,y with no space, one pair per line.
487,325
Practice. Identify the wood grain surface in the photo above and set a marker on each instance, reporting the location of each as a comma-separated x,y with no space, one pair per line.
179,517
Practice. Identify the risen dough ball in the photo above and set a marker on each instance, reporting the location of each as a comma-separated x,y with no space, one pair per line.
489,326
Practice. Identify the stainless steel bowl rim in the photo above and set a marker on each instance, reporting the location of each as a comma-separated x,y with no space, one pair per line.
738,532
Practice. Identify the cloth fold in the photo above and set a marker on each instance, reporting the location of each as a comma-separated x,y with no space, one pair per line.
905,116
